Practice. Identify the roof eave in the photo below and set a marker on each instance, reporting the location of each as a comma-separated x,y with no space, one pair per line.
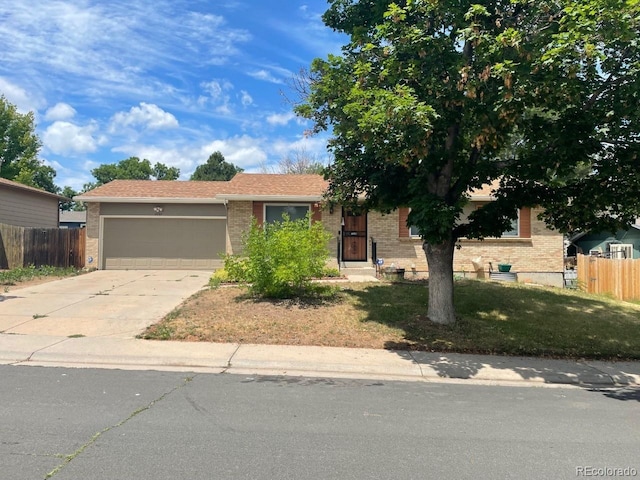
271,198
36,191
482,198
96,199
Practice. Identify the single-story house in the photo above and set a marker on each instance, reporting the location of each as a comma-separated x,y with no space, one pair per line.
188,224
620,244
73,219
24,206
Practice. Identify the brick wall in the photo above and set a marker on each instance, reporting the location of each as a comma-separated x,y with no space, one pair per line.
536,259
93,232
239,215
238,222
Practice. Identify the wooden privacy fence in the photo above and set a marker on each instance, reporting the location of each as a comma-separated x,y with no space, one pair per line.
618,277
56,247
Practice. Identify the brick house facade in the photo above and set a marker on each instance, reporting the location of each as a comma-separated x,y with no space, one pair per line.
534,251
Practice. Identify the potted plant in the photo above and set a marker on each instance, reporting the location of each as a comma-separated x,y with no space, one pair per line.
504,267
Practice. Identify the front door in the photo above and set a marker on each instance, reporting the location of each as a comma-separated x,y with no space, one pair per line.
354,236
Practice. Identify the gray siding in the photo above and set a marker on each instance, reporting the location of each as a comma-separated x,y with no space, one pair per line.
27,209
169,209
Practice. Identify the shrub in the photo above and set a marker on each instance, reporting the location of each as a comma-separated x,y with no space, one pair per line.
331,272
281,258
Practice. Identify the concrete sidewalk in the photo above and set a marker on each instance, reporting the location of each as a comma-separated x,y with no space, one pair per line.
134,354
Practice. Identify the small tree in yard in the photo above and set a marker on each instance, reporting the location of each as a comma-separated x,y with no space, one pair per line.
431,99
281,258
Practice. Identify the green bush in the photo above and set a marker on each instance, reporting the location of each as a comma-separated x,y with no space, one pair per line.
281,258
331,272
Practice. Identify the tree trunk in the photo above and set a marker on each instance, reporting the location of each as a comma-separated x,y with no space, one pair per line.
440,261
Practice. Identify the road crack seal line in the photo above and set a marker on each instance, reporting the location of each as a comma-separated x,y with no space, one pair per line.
413,359
69,458
229,365
28,359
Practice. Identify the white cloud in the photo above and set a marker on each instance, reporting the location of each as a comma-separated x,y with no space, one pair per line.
64,138
148,116
245,98
60,111
280,118
266,76
18,96
107,49
216,88
244,151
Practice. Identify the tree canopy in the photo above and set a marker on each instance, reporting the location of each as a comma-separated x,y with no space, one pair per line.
19,147
216,168
432,99
133,168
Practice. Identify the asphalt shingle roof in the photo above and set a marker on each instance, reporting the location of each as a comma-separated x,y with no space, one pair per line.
154,189
264,184
245,185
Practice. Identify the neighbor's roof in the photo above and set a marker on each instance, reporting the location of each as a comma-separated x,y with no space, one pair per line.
73,216
19,186
147,191
270,186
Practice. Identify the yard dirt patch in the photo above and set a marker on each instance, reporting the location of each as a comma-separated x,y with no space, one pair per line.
231,315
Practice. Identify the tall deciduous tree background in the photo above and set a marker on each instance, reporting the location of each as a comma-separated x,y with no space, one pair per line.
19,147
431,99
216,168
132,168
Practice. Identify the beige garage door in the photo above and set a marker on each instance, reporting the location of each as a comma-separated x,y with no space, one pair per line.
162,243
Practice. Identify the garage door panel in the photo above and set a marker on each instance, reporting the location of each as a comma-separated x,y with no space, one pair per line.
163,243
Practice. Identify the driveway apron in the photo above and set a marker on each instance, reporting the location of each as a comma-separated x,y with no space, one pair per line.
104,303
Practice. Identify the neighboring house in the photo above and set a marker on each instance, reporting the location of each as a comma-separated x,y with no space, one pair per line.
73,219
621,244
25,206
158,224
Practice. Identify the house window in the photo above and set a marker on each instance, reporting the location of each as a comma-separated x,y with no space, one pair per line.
414,232
273,213
514,231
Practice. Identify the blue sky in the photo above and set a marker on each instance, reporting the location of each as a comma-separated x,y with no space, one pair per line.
168,80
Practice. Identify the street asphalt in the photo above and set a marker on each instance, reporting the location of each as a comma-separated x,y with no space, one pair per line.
90,321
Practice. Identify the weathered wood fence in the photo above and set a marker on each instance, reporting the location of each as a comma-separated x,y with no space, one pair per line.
56,247
618,277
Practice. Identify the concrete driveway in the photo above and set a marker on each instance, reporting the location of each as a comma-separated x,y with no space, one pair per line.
105,303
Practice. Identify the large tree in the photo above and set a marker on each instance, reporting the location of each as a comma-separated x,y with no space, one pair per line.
132,168
431,99
19,146
216,168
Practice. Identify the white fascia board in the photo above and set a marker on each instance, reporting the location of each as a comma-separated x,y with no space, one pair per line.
272,198
80,198
482,198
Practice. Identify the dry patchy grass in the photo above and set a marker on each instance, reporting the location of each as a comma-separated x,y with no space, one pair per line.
230,314
493,318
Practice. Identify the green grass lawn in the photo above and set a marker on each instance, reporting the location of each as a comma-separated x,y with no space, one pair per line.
510,319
